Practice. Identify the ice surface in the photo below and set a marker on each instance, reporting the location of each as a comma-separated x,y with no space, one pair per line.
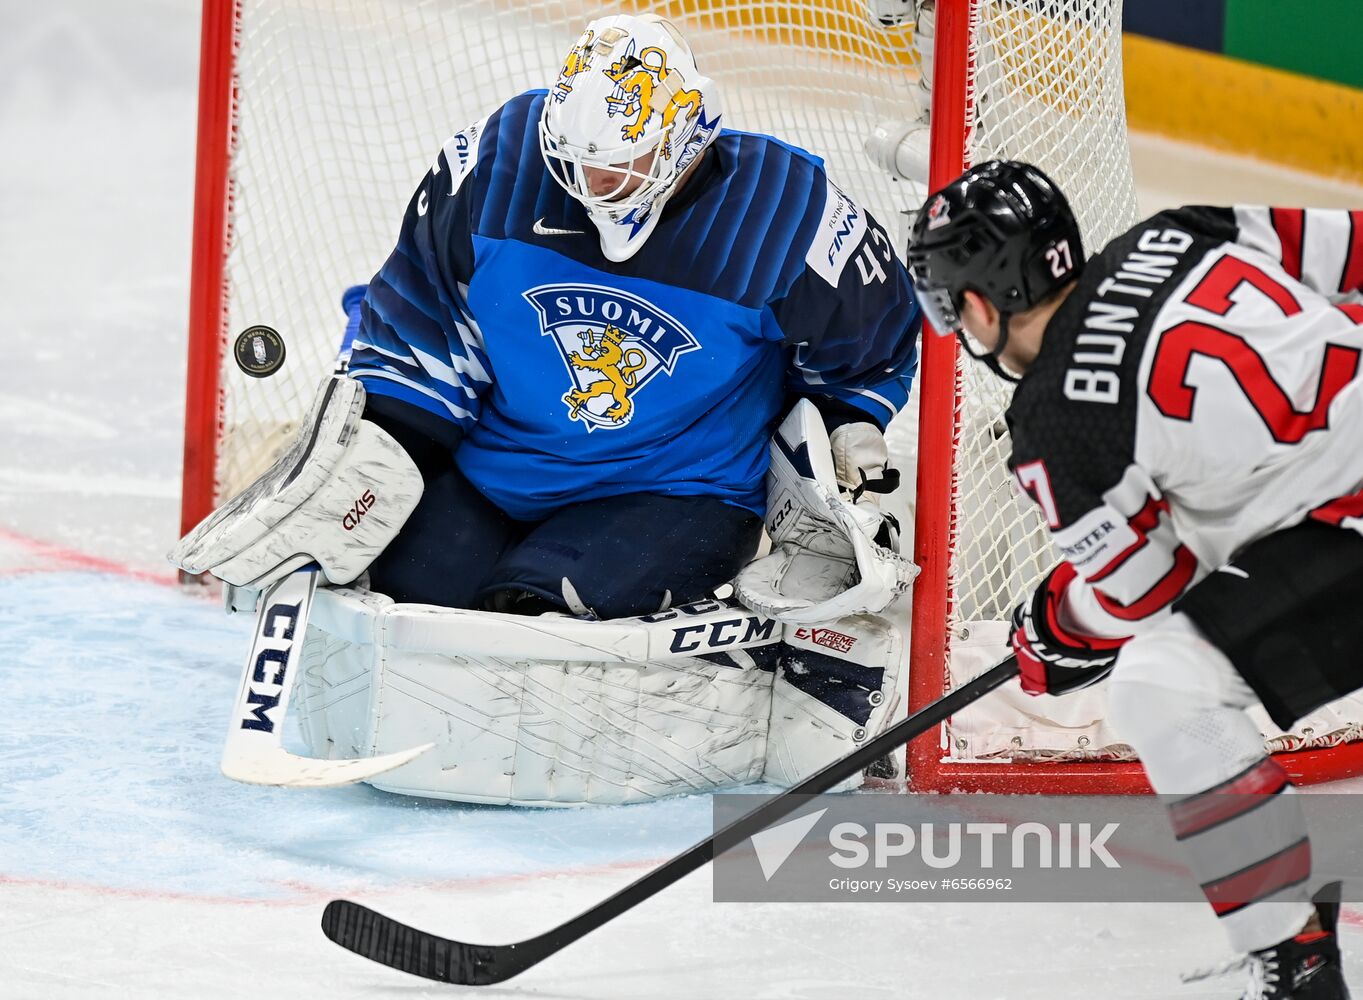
125,688
128,867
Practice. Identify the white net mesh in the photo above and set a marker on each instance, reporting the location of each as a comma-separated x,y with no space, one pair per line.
1047,88
343,106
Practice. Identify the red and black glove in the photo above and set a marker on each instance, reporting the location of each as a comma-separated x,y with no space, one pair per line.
1051,659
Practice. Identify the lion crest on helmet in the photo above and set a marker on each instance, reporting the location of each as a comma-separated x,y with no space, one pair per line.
579,60
638,80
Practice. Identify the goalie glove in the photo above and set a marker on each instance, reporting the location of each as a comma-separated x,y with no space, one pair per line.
1052,659
337,497
825,561
861,461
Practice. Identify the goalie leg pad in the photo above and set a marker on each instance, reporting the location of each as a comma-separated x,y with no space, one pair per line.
340,494
837,687
541,711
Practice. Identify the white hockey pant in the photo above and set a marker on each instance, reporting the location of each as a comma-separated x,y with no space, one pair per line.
1179,702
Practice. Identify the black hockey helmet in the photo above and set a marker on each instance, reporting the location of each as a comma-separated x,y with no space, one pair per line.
1002,229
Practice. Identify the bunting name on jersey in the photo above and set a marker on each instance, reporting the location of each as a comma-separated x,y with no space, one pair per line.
1120,303
612,344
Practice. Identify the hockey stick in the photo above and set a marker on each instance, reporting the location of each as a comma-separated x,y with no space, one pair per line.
384,940
253,752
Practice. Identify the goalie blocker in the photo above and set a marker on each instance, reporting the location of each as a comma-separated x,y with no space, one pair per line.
337,497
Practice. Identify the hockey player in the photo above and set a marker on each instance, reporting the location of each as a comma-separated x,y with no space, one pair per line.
1187,418
561,395
600,304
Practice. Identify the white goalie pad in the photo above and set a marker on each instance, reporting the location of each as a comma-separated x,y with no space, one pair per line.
824,563
837,687
337,497
542,710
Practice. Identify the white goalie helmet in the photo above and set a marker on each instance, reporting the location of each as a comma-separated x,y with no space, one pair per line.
627,116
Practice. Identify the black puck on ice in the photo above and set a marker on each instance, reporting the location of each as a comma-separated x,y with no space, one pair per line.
259,351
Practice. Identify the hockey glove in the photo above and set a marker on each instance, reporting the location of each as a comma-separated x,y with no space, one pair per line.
861,460
1053,660
825,561
337,497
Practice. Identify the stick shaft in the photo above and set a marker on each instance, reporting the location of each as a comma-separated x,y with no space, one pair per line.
782,805
392,943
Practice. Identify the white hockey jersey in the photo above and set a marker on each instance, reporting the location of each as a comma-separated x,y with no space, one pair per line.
1199,389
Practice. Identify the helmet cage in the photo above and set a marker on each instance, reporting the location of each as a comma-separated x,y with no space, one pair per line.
653,78
939,307
566,162
933,265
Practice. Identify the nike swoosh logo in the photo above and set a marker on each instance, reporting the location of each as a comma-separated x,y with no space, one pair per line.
540,229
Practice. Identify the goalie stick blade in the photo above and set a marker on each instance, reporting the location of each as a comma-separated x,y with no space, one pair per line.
254,752
276,766
384,940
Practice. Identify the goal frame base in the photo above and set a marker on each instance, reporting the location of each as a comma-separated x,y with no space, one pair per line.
928,772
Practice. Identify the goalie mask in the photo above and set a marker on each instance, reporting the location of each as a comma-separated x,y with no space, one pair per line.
627,116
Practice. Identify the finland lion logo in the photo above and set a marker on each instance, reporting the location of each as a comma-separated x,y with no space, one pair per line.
638,80
612,344
618,367
579,60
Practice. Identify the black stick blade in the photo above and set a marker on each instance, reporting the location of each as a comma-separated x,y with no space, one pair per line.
386,941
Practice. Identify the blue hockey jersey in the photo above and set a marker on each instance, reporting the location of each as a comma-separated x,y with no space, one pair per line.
562,377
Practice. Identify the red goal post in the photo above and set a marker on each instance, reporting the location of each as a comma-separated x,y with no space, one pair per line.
212,236
973,39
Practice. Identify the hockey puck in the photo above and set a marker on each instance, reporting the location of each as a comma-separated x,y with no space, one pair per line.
259,351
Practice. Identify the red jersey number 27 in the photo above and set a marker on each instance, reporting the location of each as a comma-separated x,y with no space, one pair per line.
1174,397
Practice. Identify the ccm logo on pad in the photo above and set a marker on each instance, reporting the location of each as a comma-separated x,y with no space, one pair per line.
716,635
358,509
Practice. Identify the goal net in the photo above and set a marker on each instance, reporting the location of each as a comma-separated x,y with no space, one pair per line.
319,117
329,113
